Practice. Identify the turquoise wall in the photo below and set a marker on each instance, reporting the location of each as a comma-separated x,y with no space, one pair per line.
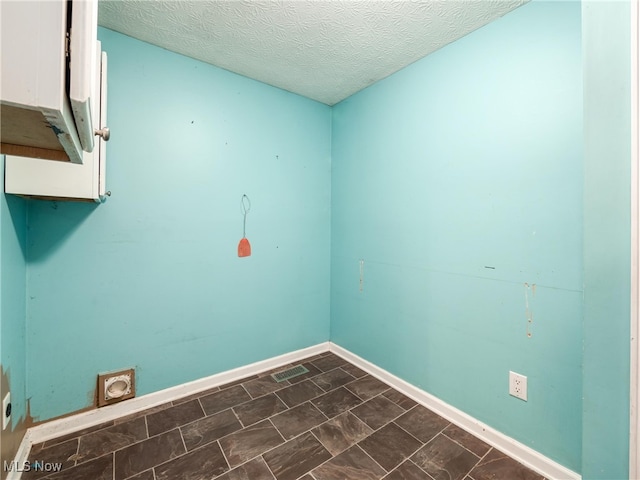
459,182
152,279
13,225
483,187
607,235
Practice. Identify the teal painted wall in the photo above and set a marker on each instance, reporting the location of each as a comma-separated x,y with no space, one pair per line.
607,235
488,153
13,356
459,181
151,279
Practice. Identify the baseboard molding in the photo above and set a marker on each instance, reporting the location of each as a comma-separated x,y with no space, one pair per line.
63,426
74,423
22,455
524,454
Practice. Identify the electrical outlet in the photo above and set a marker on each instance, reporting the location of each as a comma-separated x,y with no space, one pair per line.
518,385
6,410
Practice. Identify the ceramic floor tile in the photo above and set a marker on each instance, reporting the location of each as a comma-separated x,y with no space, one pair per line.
333,379
293,459
422,423
36,447
352,464
84,431
408,471
144,455
209,429
329,362
259,409
237,382
228,398
336,402
147,475
467,440
367,387
444,459
188,398
377,412
173,417
143,413
341,432
204,463
299,393
335,422
250,442
254,469
390,446
498,465
263,385
297,420
353,370
101,442
97,469
64,453
399,399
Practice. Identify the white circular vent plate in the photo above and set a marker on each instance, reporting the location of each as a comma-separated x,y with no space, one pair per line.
116,387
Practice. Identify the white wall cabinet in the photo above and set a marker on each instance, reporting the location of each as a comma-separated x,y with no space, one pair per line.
44,179
47,61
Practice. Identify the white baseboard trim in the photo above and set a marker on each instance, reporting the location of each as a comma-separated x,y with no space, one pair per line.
74,423
524,454
63,426
22,455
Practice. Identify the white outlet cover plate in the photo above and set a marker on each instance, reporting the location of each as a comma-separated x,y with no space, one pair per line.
5,418
518,385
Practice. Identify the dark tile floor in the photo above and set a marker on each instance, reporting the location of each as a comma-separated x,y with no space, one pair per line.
334,423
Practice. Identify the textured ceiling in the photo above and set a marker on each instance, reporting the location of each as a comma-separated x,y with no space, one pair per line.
322,49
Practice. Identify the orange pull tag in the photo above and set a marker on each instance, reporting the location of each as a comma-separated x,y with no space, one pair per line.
244,248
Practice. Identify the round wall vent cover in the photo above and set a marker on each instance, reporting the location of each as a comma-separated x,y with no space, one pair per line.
116,387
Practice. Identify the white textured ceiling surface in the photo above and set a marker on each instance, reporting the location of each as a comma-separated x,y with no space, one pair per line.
322,49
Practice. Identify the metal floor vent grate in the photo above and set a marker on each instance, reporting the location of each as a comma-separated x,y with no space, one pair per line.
289,373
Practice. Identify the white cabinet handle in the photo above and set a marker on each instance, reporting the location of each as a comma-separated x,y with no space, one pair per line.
105,133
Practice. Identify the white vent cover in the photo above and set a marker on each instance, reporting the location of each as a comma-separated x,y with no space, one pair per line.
117,387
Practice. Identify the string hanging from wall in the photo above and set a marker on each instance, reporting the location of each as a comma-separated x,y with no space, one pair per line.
244,247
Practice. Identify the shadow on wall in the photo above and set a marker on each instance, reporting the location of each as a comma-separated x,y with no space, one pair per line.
16,211
63,219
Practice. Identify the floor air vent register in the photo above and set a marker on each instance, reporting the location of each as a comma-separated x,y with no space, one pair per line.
289,373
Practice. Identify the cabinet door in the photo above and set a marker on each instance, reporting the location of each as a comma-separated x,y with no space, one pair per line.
82,64
36,116
66,181
102,143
